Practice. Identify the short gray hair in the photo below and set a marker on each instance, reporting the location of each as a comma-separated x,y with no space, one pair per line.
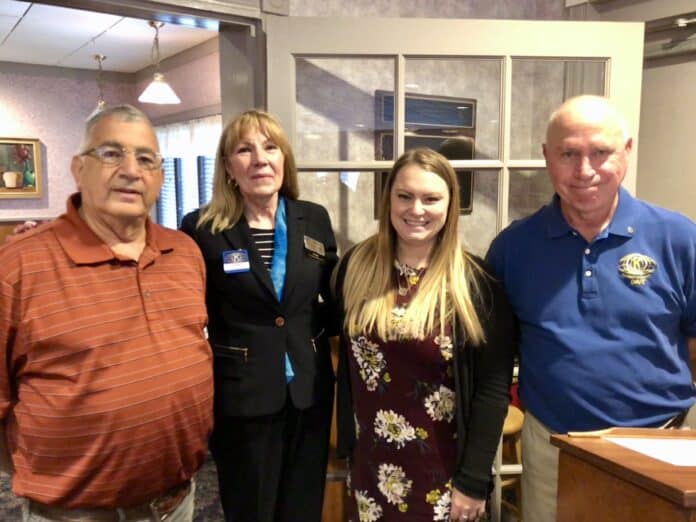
123,112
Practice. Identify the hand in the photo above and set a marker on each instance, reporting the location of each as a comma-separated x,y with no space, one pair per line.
24,227
466,508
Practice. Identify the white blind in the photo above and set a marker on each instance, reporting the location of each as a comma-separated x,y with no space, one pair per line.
186,141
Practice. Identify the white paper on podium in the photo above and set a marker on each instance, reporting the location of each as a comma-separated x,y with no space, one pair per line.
678,452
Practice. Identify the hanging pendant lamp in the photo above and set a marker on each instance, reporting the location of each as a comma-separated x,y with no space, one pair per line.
159,90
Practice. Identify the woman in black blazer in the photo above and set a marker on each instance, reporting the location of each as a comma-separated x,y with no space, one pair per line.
269,259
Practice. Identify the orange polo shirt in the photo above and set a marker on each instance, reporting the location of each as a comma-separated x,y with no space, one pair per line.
106,376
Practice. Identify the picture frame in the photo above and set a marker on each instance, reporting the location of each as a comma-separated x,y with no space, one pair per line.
21,168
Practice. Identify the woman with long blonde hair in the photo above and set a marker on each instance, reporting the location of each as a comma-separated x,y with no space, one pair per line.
426,359
269,258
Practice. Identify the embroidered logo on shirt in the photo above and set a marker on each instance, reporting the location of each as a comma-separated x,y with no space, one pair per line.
637,268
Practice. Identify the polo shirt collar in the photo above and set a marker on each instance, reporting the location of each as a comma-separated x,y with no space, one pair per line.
83,246
622,224
556,225
627,213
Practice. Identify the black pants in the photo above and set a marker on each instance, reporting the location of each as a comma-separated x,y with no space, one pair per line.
272,468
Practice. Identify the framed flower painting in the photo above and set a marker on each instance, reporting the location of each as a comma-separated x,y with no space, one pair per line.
21,175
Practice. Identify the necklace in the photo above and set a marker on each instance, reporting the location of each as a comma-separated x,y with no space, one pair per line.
409,274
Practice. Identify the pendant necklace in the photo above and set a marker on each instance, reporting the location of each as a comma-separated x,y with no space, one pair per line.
412,276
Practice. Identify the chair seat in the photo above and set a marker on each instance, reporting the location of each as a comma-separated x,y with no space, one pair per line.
513,421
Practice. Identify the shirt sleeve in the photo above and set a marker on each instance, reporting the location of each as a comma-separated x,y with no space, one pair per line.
495,257
8,332
489,376
688,320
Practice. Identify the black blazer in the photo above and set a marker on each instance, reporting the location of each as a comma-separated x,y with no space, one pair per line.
250,331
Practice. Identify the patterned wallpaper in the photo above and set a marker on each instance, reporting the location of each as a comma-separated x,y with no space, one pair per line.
498,9
196,82
50,104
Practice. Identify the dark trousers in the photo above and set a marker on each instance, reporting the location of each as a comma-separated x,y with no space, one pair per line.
272,468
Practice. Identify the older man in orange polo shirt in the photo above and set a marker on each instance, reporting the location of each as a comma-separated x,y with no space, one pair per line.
106,380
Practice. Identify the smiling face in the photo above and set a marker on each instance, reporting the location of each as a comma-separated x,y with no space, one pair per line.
587,158
256,164
124,192
419,202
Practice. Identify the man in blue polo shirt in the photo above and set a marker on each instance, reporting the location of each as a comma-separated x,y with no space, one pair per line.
604,286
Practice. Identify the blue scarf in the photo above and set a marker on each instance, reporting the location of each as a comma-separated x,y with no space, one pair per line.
279,265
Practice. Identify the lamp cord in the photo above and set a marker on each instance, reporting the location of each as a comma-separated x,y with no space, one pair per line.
100,81
155,54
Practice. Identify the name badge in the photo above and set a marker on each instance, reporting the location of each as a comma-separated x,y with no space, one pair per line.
314,248
235,261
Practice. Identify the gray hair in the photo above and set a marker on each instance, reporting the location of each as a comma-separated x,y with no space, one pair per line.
123,112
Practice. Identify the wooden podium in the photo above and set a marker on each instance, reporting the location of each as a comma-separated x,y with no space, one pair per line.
599,481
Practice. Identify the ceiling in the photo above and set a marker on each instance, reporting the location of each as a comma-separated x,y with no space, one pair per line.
59,36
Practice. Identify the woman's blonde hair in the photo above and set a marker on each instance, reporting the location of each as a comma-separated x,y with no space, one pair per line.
227,205
448,288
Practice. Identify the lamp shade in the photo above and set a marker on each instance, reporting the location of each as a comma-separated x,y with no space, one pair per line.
159,91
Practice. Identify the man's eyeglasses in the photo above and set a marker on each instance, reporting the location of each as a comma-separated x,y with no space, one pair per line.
113,155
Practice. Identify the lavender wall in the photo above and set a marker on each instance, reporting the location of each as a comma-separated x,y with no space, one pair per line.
51,104
499,9
194,75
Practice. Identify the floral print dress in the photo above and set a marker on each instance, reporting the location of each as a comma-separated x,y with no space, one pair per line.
404,407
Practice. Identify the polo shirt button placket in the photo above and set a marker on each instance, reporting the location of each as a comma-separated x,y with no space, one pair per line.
589,280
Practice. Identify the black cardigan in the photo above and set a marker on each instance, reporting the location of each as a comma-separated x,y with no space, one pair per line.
482,377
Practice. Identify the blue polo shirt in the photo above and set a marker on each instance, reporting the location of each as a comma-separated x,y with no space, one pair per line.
604,325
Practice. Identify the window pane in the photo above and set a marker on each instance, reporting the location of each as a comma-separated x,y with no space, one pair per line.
454,103
477,228
337,113
353,204
530,189
166,203
348,196
206,171
539,86
190,147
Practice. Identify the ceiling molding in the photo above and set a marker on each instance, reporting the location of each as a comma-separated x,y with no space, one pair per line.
670,36
191,114
202,13
57,72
